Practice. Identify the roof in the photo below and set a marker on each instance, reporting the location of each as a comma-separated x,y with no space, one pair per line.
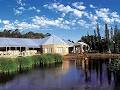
71,44
17,42
53,40
35,43
81,43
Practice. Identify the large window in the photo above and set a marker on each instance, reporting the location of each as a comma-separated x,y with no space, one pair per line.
48,50
59,50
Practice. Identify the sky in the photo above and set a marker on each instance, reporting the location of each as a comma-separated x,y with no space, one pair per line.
68,19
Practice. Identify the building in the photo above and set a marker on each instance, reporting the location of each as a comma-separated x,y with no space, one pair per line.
23,46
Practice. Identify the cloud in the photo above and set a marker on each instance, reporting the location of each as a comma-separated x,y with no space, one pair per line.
17,11
20,8
6,22
37,10
68,9
32,8
92,6
74,15
107,15
43,21
36,22
20,2
79,5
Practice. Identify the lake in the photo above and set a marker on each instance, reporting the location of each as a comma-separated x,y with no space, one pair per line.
70,75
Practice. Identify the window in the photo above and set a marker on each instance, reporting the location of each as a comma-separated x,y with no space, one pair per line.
48,50
59,50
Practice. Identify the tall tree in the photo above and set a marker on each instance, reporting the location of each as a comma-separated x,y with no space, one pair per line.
106,32
98,31
111,33
106,37
115,30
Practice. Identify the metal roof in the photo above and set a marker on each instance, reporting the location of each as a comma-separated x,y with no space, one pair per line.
35,43
17,42
53,40
81,43
71,44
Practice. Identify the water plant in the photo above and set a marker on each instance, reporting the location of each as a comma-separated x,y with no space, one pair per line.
114,65
22,63
58,58
7,65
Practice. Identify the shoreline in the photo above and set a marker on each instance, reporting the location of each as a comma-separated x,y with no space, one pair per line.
90,56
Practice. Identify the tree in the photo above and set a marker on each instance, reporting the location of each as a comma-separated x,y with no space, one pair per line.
17,34
107,37
98,32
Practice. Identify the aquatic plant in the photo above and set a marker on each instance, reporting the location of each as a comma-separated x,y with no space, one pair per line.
7,65
114,65
24,62
36,59
58,58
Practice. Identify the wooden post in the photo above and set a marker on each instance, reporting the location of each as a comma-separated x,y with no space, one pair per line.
9,48
20,49
6,49
74,49
15,48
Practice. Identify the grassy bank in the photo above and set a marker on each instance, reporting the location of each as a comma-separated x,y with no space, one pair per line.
9,65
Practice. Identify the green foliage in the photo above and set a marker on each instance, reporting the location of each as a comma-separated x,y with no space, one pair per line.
114,65
58,57
7,65
24,62
47,58
36,59
12,65
17,34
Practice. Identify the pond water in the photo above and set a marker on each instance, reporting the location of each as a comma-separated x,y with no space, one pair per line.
71,75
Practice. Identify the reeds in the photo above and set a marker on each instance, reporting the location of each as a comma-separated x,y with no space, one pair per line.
10,65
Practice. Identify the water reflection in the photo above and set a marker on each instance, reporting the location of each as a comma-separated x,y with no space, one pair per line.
83,74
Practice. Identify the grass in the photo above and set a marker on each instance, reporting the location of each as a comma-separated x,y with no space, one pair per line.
8,65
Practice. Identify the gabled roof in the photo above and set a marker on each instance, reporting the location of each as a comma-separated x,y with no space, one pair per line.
52,40
36,43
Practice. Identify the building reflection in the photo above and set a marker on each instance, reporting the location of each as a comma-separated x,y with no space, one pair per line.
84,64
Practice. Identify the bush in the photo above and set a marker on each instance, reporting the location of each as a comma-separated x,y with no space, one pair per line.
7,65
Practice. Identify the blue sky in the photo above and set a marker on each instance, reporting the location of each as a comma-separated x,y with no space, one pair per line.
68,19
